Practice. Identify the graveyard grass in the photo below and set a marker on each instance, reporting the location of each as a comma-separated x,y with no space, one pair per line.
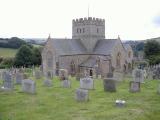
56,103
8,52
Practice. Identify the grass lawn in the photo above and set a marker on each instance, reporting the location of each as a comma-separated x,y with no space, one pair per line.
56,103
7,52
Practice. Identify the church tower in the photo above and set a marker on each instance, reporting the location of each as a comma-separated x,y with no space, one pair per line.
89,31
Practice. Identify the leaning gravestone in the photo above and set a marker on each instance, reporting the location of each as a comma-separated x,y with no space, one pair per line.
87,83
19,78
48,83
8,82
28,86
66,84
134,86
109,84
81,95
138,75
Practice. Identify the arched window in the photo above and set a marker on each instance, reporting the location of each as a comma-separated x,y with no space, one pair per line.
73,67
49,59
118,60
129,54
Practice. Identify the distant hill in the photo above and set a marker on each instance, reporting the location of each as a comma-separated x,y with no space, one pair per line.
157,39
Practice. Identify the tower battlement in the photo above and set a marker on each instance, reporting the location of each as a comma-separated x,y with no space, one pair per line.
89,20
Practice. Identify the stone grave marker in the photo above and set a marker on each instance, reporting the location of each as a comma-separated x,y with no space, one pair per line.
8,83
66,84
28,86
87,83
19,78
134,86
118,76
81,95
109,84
48,83
63,74
138,75
38,74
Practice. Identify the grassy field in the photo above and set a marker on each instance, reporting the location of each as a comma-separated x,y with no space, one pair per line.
7,52
56,103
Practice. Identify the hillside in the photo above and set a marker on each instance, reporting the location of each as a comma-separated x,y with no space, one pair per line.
7,52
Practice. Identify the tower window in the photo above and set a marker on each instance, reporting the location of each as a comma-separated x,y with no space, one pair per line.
77,30
97,30
83,30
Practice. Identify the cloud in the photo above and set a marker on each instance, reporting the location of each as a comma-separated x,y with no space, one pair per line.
156,20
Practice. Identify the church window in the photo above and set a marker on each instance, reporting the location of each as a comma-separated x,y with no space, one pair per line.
49,60
80,30
72,67
97,30
118,60
83,30
77,30
129,54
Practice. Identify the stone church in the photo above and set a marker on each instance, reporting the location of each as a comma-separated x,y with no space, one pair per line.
88,52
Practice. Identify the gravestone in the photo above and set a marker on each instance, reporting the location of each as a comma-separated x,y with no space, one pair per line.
48,83
138,75
87,83
63,74
66,84
38,74
118,76
8,81
81,95
134,86
28,86
19,78
109,84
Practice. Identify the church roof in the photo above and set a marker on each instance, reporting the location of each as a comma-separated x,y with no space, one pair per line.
104,46
74,46
126,46
68,46
90,62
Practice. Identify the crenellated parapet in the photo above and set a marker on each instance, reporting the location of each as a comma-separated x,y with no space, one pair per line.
89,20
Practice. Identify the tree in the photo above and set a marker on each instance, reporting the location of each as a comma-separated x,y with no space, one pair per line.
24,56
152,51
37,56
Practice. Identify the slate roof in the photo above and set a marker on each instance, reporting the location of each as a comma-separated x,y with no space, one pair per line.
104,46
74,46
126,46
68,46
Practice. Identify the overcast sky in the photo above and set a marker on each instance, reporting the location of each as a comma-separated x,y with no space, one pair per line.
131,19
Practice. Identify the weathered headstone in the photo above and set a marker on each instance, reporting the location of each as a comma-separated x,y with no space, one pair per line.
66,84
87,83
48,83
118,76
63,74
38,74
19,78
138,75
109,84
82,95
134,86
28,86
8,81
